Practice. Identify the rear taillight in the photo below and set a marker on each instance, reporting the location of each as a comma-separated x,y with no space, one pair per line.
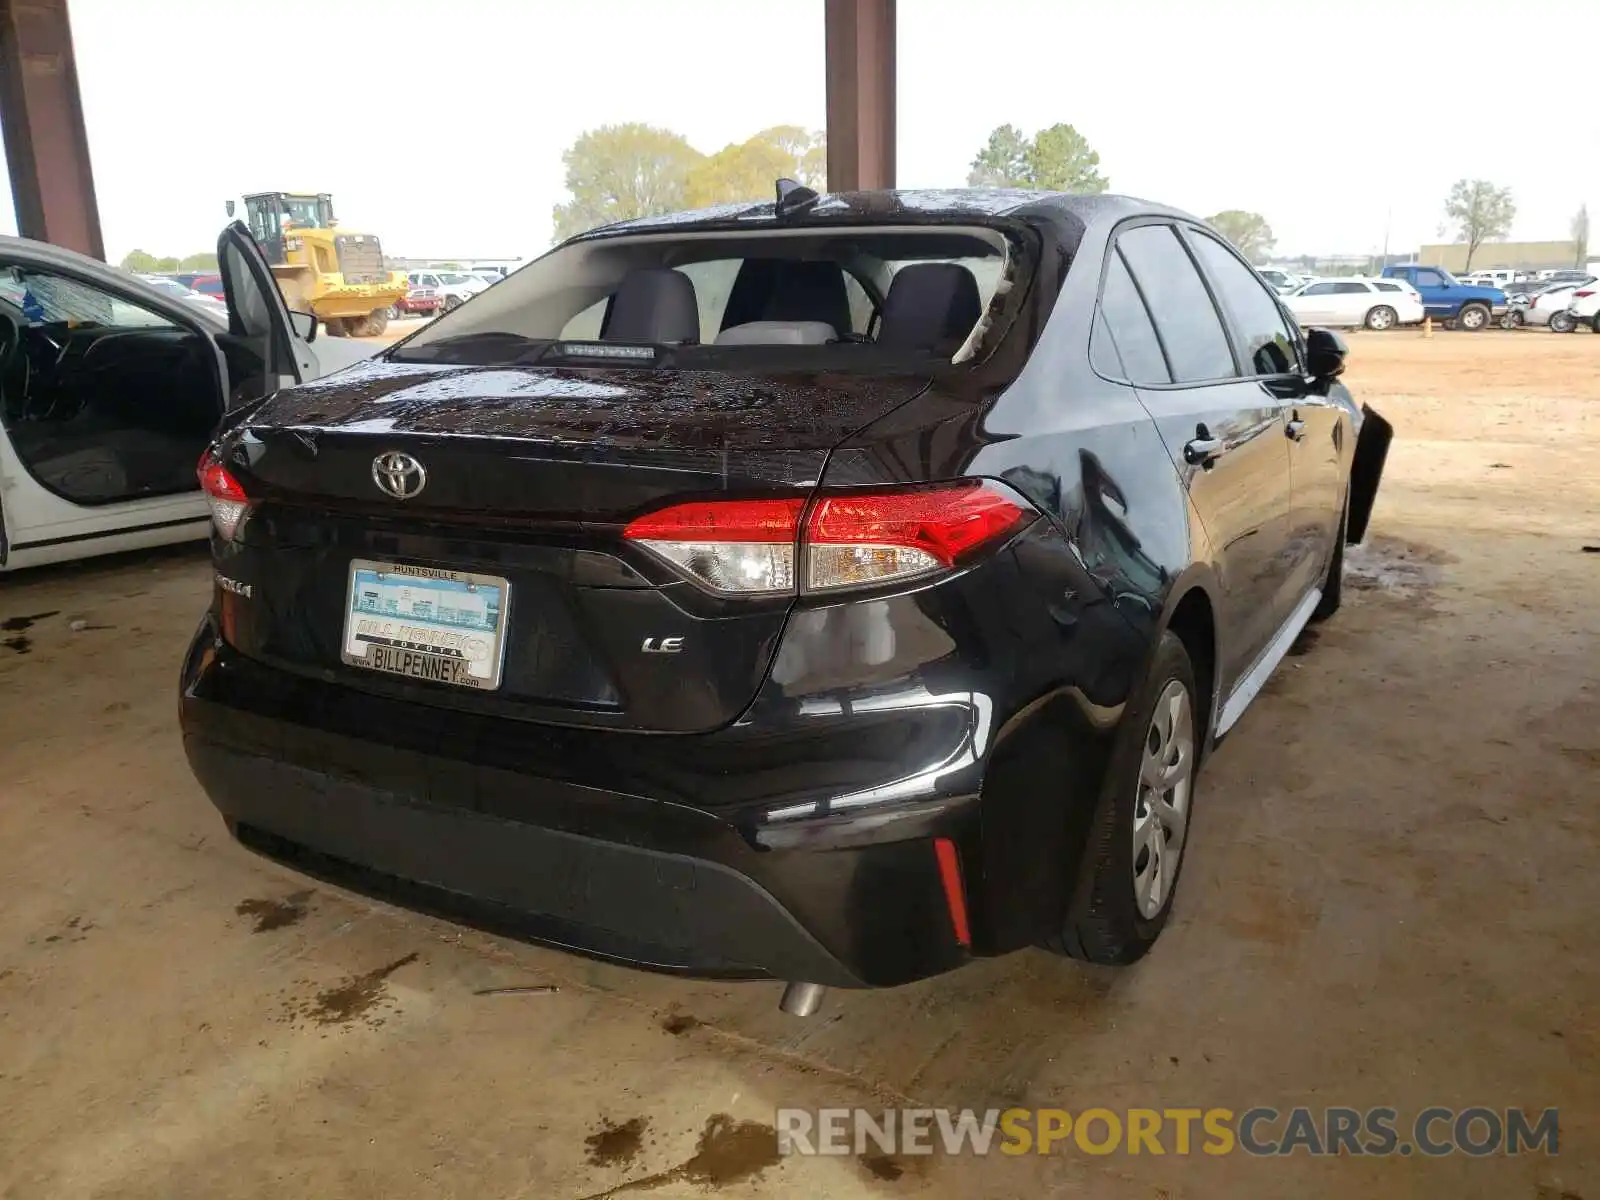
743,546
1582,294
848,540
227,498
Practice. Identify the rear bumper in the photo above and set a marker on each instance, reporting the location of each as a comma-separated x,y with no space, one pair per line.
455,824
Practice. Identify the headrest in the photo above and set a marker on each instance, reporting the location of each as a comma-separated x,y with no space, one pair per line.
930,307
777,289
778,333
654,304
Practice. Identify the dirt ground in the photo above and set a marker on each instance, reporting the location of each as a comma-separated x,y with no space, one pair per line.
1391,900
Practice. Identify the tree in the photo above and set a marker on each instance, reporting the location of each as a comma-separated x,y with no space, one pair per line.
1058,159
749,170
617,172
1480,212
1003,161
1062,161
1247,230
204,261
139,262
1580,236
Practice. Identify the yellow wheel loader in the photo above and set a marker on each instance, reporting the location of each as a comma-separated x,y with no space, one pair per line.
335,273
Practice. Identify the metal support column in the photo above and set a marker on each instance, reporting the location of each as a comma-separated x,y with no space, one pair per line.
41,115
861,94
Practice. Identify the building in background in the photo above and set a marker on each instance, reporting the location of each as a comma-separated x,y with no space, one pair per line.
1527,256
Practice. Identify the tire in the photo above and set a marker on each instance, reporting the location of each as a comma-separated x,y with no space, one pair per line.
337,327
1594,322
1511,319
1333,582
1562,322
1472,318
375,323
392,313
451,303
1381,316
1115,917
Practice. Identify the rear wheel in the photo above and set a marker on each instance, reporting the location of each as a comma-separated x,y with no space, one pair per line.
1472,317
1511,319
451,302
1594,322
336,327
1381,316
1135,848
393,313
1562,322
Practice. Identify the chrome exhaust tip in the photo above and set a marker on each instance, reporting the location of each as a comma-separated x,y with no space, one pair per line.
802,999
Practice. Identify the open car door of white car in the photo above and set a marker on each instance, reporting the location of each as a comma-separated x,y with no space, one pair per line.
257,314
110,390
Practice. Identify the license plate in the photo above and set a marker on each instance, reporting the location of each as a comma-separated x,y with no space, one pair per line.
422,623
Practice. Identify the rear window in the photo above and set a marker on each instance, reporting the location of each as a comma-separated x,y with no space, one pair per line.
707,300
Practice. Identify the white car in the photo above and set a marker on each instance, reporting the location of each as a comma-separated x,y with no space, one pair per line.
110,389
200,300
1549,305
455,287
1281,281
1373,303
1583,308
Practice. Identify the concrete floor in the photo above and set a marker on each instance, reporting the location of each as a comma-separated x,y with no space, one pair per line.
1390,901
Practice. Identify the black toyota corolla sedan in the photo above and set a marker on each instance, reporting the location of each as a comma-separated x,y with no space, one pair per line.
829,590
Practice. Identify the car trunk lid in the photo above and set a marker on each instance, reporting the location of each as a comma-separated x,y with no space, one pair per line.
530,476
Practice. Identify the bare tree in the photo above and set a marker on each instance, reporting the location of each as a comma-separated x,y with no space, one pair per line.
1580,236
1480,212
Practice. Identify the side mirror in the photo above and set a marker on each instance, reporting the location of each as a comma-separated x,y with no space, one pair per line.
1325,354
228,204
304,325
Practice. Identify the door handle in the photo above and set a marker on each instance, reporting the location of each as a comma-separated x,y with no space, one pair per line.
1202,451
1296,428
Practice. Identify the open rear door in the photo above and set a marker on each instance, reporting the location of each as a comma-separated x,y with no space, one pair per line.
258,318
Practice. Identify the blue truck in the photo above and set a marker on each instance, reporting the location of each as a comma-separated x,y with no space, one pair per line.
1460,305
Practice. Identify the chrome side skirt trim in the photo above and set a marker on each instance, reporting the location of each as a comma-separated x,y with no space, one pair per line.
1256,677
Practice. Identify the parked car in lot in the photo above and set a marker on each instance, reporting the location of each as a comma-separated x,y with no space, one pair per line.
110,388
1463,306
1504,279
172,287
417,302
1282,282
209,285
1583,308
758,593
452,287
1548,306
1373,303
1569,275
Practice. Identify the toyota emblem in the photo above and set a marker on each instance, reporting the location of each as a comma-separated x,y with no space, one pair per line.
399,475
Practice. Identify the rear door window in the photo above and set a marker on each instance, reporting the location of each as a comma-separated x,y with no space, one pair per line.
1429,279
1263,333
1190,329
1124,343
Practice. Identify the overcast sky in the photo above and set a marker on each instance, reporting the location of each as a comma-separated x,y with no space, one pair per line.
440,126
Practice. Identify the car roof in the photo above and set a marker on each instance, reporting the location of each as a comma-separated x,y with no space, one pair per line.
1069,212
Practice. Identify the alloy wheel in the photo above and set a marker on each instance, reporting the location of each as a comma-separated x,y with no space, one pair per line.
1380,318
1472,318
1161,810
